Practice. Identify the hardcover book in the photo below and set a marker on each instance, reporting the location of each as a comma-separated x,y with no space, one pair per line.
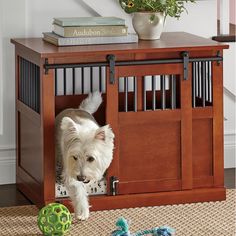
92,31
88,21
62,41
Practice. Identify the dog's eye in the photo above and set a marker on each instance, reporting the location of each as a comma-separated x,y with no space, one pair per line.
90,159
75,158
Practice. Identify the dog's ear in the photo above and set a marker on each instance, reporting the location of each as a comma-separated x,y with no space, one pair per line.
104,133
68,124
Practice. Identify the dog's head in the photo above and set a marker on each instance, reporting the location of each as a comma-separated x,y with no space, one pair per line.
87,152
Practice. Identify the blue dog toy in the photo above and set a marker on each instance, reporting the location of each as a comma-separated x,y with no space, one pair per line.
123,230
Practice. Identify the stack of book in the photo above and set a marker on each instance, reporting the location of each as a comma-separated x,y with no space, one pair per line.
89,30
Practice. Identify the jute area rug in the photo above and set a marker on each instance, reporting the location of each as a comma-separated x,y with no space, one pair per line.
199,219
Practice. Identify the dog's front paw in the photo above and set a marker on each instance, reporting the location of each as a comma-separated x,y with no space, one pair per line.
83,214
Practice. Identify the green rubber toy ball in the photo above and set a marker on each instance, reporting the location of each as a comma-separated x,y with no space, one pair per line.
54,220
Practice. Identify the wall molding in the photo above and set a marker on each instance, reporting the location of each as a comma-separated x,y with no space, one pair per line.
7,164
1,71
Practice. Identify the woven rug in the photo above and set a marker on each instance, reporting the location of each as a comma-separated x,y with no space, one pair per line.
198,219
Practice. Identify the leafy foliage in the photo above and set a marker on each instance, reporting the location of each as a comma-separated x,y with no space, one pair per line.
172,8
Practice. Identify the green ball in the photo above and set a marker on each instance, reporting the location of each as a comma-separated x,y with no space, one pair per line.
54,220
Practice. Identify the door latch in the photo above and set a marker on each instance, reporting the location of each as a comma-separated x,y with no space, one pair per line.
113,185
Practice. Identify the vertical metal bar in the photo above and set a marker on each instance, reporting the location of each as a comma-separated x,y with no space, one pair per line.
173,91
175,87
193,84
209,81
82,80
199,79
126,93
21,79
31,83
55,82
154,93
100,79
144,94
135,93
203,83
38,88
24,79
73,81
64,80
34,88
163,95
91,79
27,82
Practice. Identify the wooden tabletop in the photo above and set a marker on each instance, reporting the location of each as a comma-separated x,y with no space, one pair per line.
170,41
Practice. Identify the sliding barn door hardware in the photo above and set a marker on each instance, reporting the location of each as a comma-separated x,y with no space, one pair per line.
218,55
111,59
45,66
185,56
112,63
113,185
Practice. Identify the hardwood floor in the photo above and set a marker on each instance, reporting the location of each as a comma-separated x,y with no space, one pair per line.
10,196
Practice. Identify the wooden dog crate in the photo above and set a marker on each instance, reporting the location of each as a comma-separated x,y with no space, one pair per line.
163,100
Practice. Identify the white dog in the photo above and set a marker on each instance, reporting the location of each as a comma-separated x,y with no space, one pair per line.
84,149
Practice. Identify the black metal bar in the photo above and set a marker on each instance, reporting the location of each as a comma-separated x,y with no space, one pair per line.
100,79
35,87
124,63
203,84
30,84
82,80
199,80
173,92
194,84
126,93
21,80
73,81
64,80
91,79
144,94
135,93
56,82
209,82
27,83
38,90
153,92
163,95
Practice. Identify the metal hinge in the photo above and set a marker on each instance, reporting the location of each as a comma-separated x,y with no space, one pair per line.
185,56
113,185
111,58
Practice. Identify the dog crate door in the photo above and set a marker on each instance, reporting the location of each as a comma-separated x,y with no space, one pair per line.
152,123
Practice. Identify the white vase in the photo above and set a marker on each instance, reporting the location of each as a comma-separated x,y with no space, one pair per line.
148,25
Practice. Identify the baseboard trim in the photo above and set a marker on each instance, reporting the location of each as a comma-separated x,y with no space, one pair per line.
7,164
229,155
7,171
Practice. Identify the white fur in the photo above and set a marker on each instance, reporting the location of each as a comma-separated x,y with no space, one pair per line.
79,138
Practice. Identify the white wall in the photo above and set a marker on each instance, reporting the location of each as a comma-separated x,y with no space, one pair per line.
12,18
230,105
29,18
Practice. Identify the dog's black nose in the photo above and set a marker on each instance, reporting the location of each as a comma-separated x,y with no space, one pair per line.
81,178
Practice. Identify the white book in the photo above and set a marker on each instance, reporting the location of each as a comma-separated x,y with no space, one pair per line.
61,41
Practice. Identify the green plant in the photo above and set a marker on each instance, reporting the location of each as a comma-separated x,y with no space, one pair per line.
172,8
